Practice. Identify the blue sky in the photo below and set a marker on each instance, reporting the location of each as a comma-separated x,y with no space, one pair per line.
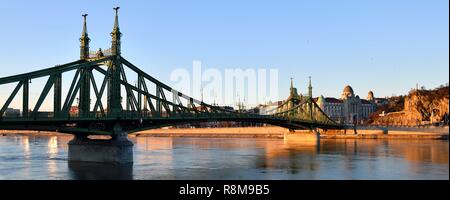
385,46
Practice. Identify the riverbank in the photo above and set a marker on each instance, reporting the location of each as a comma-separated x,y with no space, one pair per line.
232,132
274,132
280,133
27,132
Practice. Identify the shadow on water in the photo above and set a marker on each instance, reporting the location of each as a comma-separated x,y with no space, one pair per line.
100,171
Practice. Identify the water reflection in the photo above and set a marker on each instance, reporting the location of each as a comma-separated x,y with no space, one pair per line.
45,157
291,155
150,144
25,141
416,151
26,146
52,146
96,171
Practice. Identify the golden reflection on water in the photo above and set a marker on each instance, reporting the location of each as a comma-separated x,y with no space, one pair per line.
26,146
303,155
209,143
294,155
308,159
52,146
25,140
159,152
418,151
63,141
432,151
149,144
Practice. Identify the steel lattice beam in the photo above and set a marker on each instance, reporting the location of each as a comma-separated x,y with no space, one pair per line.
301,113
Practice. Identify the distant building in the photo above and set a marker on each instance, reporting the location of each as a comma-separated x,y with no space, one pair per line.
228,108
350,108
73,112
381,101
269,108
11,112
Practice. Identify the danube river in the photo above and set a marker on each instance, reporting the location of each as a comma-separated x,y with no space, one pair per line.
45,157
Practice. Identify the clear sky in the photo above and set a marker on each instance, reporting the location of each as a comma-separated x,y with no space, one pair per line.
381,45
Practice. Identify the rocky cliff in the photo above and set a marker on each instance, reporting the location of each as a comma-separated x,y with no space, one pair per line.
419,107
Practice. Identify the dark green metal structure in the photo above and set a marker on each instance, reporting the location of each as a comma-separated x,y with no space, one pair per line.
295,113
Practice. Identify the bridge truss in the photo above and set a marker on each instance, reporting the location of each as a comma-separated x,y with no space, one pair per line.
129,107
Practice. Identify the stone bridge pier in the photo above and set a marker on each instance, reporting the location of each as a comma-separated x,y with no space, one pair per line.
117,150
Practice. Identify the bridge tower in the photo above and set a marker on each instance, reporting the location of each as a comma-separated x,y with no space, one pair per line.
85,95
292,95
84,41
294,98
118,149
114,67
116,34
291,89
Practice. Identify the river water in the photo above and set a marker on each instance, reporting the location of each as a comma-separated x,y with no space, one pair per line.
45,157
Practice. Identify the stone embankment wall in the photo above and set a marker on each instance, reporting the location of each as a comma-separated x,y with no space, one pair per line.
278,133
241,132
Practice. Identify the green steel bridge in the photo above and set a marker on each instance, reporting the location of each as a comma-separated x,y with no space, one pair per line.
149,102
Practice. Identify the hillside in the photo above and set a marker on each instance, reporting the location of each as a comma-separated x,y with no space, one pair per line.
418,107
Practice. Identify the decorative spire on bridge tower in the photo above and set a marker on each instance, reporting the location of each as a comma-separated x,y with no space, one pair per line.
84,41
292,89
116,34
310,88
292,85
292,95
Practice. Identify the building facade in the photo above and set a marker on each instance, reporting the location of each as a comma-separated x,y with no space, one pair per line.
349,108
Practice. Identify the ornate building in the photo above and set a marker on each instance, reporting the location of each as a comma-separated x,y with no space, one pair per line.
349,108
